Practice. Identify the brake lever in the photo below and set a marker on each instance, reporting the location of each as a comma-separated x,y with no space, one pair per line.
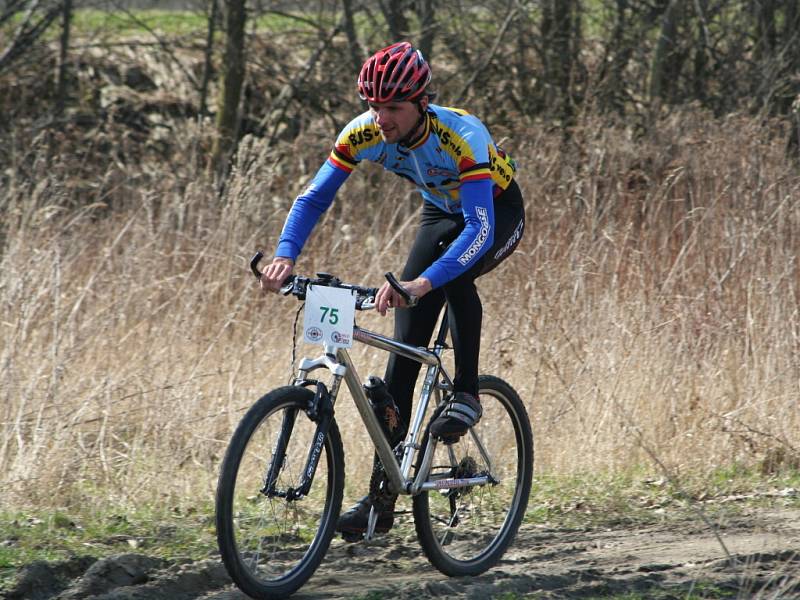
288,286
367,302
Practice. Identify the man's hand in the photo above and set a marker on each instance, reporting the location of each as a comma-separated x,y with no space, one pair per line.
388,298
275,273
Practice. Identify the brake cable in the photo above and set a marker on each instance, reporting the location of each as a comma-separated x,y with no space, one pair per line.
294,342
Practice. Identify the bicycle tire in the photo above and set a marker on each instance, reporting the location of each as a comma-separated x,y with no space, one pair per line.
466,531
271,546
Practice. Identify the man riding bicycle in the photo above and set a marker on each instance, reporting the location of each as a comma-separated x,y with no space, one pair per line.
472,219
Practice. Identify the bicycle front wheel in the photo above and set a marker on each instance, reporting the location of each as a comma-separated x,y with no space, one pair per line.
270,544
465,531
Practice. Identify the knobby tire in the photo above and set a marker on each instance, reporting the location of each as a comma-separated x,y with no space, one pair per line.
271,546
483,528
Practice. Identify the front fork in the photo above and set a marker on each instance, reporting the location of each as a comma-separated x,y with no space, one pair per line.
319,410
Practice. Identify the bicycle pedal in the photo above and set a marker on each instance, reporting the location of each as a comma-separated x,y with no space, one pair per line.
449,440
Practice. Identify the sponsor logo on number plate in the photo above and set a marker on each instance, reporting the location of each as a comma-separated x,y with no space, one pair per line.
340,338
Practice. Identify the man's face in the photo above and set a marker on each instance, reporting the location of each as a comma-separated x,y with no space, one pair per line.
395,119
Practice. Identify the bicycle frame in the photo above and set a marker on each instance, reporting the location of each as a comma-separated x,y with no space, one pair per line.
271,543
338,362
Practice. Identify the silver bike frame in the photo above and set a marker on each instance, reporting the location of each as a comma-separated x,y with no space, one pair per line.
337,361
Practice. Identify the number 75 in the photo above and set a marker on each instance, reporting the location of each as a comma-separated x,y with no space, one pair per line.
332,315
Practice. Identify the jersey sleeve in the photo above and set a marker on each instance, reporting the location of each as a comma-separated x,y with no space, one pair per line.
308,208
359,140
474,240
473,164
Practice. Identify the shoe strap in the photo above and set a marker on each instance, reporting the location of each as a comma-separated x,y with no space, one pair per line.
463,412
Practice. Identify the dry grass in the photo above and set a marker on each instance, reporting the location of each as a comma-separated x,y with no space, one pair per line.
651,308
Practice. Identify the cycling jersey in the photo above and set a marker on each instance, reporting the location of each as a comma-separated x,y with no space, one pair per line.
455,165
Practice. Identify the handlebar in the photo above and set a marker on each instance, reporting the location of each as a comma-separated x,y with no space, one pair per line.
254,264
296,285
365,297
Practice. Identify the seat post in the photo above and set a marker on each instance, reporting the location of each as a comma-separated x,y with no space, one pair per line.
441,337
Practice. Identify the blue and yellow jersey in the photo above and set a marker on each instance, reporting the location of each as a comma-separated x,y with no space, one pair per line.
455,165
456,147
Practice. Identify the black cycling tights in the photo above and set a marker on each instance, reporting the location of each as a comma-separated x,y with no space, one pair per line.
415,325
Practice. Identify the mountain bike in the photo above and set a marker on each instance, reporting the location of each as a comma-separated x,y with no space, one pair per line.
281,482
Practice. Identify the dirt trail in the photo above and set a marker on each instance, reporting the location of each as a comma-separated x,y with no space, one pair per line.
663,561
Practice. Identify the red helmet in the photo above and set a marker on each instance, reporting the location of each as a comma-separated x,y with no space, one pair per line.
394,74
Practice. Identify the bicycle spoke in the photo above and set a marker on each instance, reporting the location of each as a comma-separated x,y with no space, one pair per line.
483,452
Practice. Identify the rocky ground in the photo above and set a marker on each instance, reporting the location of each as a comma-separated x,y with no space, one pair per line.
760,558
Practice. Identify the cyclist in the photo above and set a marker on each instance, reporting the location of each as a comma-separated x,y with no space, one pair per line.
472,218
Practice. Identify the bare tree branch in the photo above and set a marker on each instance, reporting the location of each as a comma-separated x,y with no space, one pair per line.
290,91
490,56
11,8
28,32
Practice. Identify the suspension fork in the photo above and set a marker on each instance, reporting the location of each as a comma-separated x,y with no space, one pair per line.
319,410
279,452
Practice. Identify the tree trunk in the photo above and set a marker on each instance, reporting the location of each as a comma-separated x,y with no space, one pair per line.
427,20
700,76
560,25
61,85
793,141
660,68
356,54
620,52
209,53
522,61
766,29
233,63
395,18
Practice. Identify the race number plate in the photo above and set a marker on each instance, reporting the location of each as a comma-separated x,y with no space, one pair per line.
329,316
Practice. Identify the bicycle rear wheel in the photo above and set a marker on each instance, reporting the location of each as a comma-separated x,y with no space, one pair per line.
271,545
465,531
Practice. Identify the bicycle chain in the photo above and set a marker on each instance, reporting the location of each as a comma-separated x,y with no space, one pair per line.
379,492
